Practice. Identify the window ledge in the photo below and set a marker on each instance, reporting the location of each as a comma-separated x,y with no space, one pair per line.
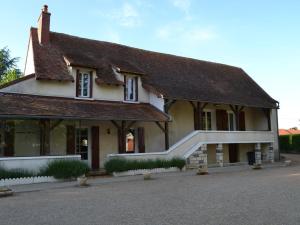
133,102
85,98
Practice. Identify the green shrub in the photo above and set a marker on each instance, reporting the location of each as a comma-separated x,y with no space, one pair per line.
122,164
296,143
65,169
15,173
285,143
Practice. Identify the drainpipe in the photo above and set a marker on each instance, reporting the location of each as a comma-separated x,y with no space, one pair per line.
279,154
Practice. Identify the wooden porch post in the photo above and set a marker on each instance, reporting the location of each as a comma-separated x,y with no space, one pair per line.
167,106
198,114
44,137
267,113
237,112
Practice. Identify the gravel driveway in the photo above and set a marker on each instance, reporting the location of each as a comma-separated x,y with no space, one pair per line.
268,196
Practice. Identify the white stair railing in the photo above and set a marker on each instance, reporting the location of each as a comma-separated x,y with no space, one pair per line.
193,141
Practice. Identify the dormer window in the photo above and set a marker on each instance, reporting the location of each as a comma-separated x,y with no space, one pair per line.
131,89
84,84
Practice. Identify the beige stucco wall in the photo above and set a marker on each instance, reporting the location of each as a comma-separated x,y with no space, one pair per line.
68,89
182,121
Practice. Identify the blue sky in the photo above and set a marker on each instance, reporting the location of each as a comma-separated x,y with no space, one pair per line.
262,37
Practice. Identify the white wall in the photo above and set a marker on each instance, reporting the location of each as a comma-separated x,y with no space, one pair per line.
29,65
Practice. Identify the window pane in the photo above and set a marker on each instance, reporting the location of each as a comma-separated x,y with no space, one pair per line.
204,120
130,89
231,122
85,85
82,143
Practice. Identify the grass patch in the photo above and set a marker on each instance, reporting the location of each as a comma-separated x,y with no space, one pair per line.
122,164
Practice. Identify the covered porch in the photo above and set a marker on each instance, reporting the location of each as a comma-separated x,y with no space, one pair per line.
36,126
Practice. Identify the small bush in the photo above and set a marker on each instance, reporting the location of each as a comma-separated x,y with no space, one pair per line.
122,164
65,169
15,173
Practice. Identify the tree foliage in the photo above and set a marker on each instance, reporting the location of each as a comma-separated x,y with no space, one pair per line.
8,66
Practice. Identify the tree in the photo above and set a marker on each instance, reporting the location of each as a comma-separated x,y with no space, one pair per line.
8,66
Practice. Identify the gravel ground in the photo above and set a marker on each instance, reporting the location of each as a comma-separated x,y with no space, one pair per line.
245,196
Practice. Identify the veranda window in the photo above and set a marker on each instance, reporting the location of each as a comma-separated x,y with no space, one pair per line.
206,120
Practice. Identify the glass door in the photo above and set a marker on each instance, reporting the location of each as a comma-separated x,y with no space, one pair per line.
82,143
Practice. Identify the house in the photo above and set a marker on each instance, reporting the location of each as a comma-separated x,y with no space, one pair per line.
97,99
291,131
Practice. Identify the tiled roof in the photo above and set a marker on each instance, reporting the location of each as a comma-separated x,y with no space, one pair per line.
288,132
173,76
33,106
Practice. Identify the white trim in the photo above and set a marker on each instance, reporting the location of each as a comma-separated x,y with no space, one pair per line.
85,98
27,180
132,102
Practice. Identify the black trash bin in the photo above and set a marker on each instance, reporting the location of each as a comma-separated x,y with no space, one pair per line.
251,158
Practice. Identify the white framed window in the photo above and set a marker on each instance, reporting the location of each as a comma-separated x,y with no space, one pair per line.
131,89
83,86
231,121
206,120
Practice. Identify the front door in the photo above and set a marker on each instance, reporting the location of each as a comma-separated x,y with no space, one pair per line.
87,145
233,153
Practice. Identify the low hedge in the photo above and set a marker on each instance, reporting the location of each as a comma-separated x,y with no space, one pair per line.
285,143
65,169
15,173
290,143
122,164
59,169
296,143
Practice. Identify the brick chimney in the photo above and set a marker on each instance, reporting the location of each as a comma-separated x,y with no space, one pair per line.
44,26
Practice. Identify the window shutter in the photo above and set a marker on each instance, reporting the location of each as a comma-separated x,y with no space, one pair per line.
91,84
95,147
77,83
70,140
136,88
242,121
141,139
222,119
121,141
125,88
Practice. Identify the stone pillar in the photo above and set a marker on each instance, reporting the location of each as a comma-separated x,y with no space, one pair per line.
258,154
271,153
203,160
219,154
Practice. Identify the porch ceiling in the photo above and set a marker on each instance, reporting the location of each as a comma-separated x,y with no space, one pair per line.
33,106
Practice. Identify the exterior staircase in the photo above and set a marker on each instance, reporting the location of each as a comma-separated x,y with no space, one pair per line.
189,147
